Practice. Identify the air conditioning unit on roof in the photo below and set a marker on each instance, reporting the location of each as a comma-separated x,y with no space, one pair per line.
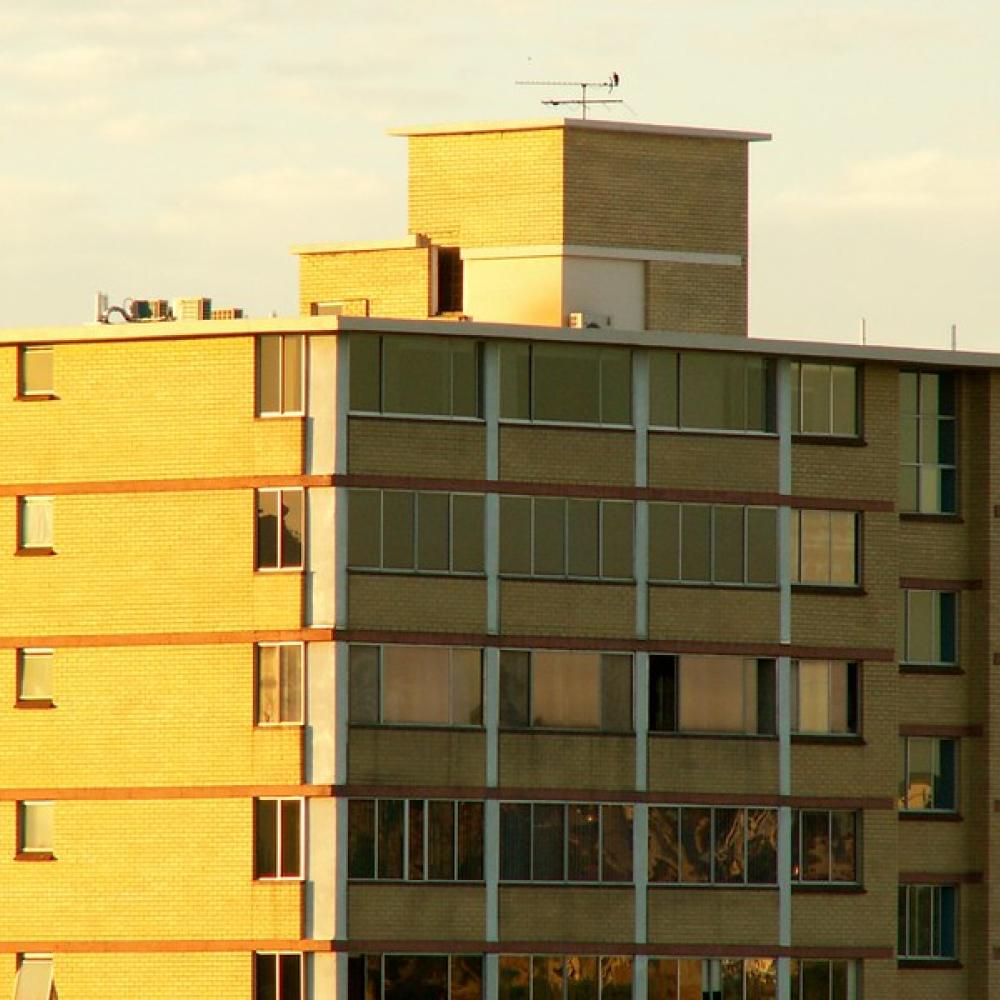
588,321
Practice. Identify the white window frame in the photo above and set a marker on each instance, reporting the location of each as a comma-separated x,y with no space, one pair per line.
24,503
301,713
276,832
797,429
22,655
282,411
280,490
23,807
22,355
278,955
21,991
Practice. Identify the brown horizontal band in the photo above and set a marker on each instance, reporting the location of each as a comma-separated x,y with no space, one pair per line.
938,583
940,878
609,492
925,729
168,638
220,945
160,485
150,793
615,796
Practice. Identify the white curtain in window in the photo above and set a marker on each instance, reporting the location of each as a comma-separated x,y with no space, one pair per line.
39,825
36,522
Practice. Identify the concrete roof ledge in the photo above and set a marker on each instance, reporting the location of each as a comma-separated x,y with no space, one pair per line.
411,242
593,124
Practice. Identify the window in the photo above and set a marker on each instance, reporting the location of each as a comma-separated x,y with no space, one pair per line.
928,780
34,676
36,833
565,842
279,684
34,978
927,922
575,977
278,834
35,377
281,365
415,375
930,626
35,532
824,547
404,531
560,537
280,528
277,976
576,690
409,977
825,697
697,390
824,399
713,543
416,685
824,846
415,840
450,274
750,978
711,694
566,383
927,442
721,845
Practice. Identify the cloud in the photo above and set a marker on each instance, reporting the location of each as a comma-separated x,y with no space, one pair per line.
929,181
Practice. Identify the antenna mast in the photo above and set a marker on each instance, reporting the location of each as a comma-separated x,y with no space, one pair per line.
583,101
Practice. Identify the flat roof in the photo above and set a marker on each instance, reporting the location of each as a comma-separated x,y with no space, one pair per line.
331,325
591,124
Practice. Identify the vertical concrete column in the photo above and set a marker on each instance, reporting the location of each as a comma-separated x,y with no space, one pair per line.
784,401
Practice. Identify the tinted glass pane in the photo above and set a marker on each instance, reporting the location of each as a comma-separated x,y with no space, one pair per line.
767,702
566,689
514,688
549,542
663,389
265,838
547,833
364,528
664,541
466,977
730,834
761,979
909,430
815,399
364,698
616,385
566,382
713,391
663,844
616,978
397,529
416,684
547,977
515,841
845,407
268,685
365,379
662,693
581,977
291,683
920,622
814,545
762,845
515,535
583,835
515,381
416,375
416,821
947,604
467,533
617,535
293,520
35,680
361,838
268,374
843,843
695,845
515,977
290,976
812,696
616,843
728,544
616,693
762,545
815,980
815,846
470,840
416,977
582,517
711,690
465,378
433,517
441,840
267,528
466,687
843,560
265,975
291,816
292,373
696,533
390,838
759,394
944,786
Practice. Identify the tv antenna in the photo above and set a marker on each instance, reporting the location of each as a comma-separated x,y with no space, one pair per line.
583,101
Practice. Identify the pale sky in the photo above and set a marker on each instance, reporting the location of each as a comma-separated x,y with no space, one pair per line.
157,148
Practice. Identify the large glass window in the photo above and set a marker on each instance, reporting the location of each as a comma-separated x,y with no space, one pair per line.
929,776
416,685
825,547
565,842
930,626
407,531
825,697
278,975
280,690
415,375
824,399
749,979
566,537
278,836
824,845
281,522
566,383
414,977
576,690
281,374
565,977
415,839
927,922
712,543
711,694
698,390
927,442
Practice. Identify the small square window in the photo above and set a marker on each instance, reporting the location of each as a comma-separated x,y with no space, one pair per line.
35,375
35,530
36,833
279,684
278,832
34,978
278,976
280,529
34,676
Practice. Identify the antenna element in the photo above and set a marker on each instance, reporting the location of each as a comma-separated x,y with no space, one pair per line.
583,101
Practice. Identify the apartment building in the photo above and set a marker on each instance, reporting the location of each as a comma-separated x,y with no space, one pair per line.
508,625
